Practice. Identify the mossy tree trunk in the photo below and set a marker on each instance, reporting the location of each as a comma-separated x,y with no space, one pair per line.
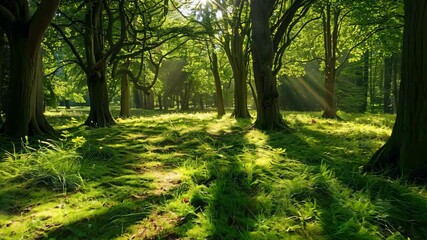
268,112
405,153
24,114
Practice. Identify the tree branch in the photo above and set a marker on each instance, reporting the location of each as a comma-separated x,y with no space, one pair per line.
70,44
40,22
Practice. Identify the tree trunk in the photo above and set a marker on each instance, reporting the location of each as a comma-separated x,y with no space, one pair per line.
149,100
25,101
240,96
330,34
137,98
219,100
405,153
100,115
395,84
237,55
388,71
159,98
185,96
268,112
365,83
202,106
2,45
25,96
125,94
372,77
67,104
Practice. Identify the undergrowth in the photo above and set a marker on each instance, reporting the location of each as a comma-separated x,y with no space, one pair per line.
51,164
193,176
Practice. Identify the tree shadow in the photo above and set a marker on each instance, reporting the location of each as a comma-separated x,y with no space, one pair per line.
398,208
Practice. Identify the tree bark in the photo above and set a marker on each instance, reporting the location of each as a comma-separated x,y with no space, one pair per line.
67,104
238,56
330,34
2,45
388,71
149,100
219,100
365,81
159,99
395,84
125,94
100,115
268,112
405,153
25,95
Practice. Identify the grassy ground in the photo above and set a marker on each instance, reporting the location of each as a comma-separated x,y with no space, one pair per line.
193,176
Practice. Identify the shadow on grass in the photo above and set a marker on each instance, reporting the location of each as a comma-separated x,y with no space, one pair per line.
113,221
353,204
226,193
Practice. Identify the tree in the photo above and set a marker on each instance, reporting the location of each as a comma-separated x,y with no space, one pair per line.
25,112
405,153
268,46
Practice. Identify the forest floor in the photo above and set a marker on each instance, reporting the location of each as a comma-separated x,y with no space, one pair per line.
193,176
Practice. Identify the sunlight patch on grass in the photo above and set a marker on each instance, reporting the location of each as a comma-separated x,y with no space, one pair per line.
193,176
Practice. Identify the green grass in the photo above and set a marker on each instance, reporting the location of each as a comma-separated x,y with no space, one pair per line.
193,176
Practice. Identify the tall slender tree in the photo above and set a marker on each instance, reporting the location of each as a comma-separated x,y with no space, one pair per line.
405,152
25,112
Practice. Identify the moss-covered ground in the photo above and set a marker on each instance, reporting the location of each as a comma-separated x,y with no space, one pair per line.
193,176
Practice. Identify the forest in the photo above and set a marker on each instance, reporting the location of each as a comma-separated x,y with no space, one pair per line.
213,119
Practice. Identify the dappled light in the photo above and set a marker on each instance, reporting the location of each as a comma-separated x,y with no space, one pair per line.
213,119
174,175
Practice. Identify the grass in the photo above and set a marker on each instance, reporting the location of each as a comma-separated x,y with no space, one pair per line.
193,176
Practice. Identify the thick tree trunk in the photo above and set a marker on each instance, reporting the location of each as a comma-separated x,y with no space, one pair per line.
99,115
24,114
240,96
67,104
219,100
268,112
125,94
388,71
25,102
405,153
